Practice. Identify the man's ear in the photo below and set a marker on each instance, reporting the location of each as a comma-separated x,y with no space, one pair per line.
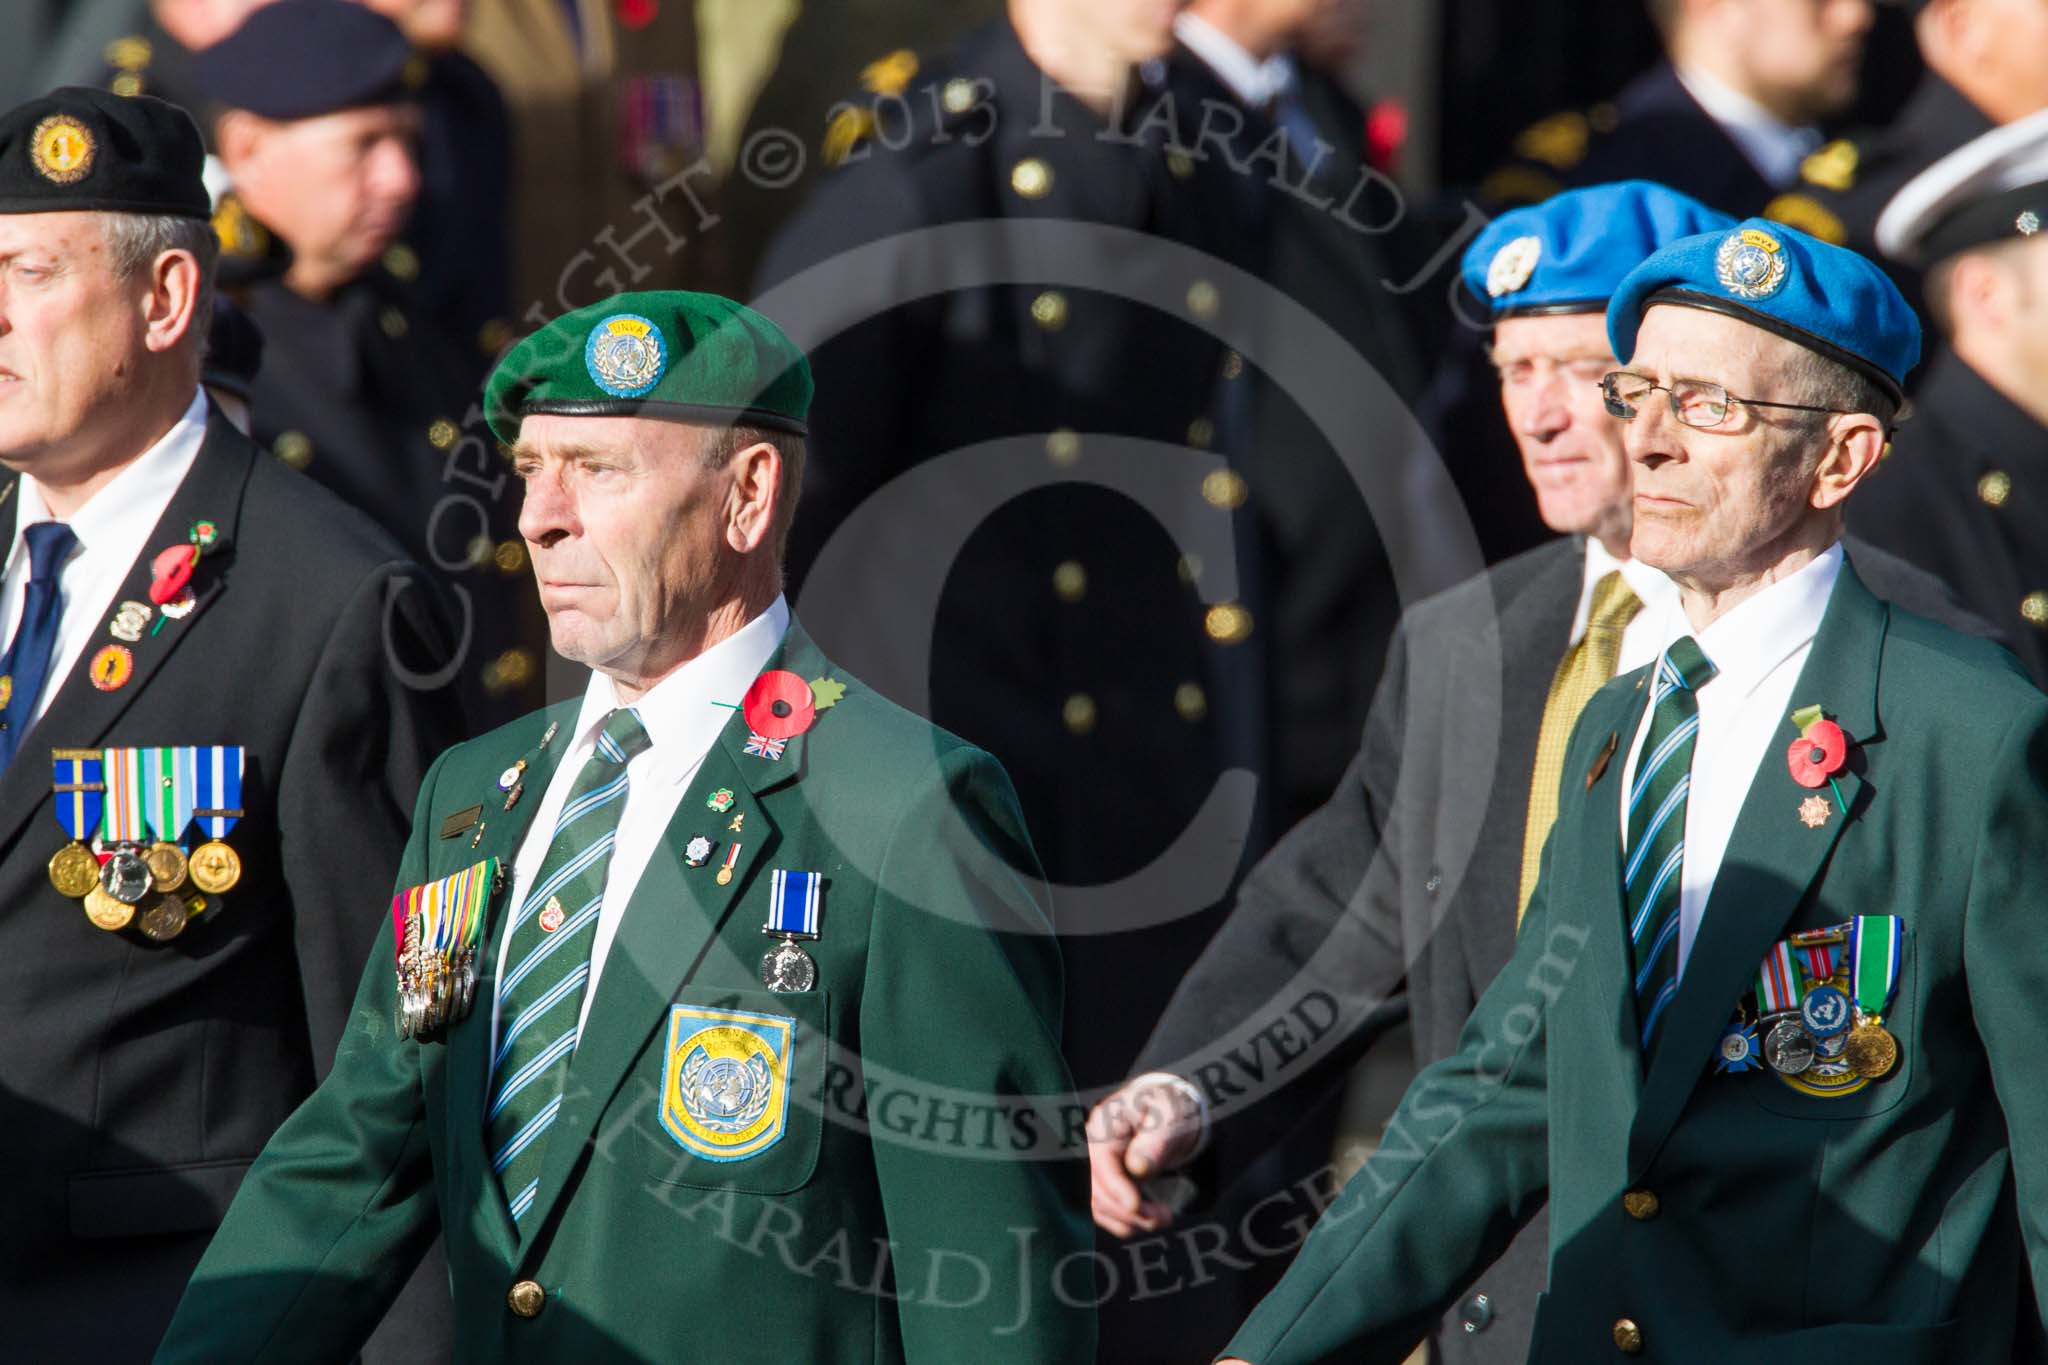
170,308
756,493
1856,443
238,134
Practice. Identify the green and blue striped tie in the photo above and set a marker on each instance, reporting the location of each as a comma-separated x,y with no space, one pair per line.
1653,866
540,992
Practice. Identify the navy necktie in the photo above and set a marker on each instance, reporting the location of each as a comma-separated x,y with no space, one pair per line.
26,666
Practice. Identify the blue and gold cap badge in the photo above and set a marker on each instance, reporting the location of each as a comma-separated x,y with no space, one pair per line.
1750,264
625,355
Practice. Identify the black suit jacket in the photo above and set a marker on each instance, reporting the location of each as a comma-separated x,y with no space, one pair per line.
1399,894
140,1080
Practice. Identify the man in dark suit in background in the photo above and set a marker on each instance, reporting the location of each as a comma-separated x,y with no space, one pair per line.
1407,886
208,663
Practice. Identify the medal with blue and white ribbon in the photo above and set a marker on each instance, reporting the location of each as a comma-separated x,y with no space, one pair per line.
795,907
1875,945
78,790
217,787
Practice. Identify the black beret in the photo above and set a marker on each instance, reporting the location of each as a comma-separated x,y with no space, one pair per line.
86,149
303,58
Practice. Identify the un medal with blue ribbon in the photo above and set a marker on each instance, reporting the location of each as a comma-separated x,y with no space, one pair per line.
79,788
795,910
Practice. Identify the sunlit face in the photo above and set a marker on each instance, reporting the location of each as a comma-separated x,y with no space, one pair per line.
1719,505
433,24
626,529
1996,49
1572,453
72,336
1807,55
1135,30
337,188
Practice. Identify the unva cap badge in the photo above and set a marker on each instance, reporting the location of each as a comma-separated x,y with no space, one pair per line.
1750,264
625,355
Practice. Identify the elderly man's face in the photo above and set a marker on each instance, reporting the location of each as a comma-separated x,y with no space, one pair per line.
1807,55
1721,504
72,334
338,188
627,531
1550,370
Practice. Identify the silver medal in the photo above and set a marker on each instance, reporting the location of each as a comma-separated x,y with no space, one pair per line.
126,877
786,967
1788,1047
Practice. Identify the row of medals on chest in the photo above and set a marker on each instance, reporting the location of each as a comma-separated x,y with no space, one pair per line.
1825,1026
156,887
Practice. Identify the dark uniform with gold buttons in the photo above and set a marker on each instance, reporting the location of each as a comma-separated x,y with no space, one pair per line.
1845,185
151,1055
1964,491
373,390
1102,659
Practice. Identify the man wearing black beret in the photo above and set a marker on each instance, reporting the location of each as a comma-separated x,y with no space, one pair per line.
209,661
369,382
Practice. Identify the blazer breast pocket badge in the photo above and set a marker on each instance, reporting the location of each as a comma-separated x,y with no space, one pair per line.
725,1081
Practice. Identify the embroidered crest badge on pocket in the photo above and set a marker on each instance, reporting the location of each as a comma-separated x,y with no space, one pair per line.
725,1083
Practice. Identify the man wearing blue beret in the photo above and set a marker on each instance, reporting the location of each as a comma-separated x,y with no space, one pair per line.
1769,1041
1404,888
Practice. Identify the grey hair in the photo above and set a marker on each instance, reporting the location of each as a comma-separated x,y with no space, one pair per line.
1829,383
136,240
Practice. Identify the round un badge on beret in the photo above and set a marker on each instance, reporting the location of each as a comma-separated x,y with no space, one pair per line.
61,149
1750,264
625,355
1512,265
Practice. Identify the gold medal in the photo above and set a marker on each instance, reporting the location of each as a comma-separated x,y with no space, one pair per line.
1871,1050
215,868
164,920
166,866
106,912
74,871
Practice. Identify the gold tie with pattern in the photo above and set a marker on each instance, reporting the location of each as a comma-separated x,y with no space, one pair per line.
1584,668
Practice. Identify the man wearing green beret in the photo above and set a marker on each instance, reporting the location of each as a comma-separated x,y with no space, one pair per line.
1769,1044
717,1014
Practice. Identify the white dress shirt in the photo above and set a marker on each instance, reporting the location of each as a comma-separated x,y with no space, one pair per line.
1771,145
1757,650
113,528
1642,640
683,714
1256,82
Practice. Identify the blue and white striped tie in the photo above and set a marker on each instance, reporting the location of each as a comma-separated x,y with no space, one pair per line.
1653,865
547,965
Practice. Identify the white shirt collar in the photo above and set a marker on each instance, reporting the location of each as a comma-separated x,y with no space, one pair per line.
1257,83
685,711
1753,638
121,514
1773,146
1656,592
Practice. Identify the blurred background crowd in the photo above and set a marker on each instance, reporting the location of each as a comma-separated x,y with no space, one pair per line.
1169,569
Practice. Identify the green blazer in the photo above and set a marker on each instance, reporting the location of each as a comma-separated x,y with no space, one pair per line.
910,1210
1761,1225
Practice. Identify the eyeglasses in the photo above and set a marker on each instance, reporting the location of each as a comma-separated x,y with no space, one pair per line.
1694,402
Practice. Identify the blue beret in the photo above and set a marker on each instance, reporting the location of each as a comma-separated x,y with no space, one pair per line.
1826,298
304,58
1569,253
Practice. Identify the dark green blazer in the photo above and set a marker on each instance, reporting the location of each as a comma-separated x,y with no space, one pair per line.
1889,1225
937,1005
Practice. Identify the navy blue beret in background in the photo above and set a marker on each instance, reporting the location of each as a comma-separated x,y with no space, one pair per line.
304,58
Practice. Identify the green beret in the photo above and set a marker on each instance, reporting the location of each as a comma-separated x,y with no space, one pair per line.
667,353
